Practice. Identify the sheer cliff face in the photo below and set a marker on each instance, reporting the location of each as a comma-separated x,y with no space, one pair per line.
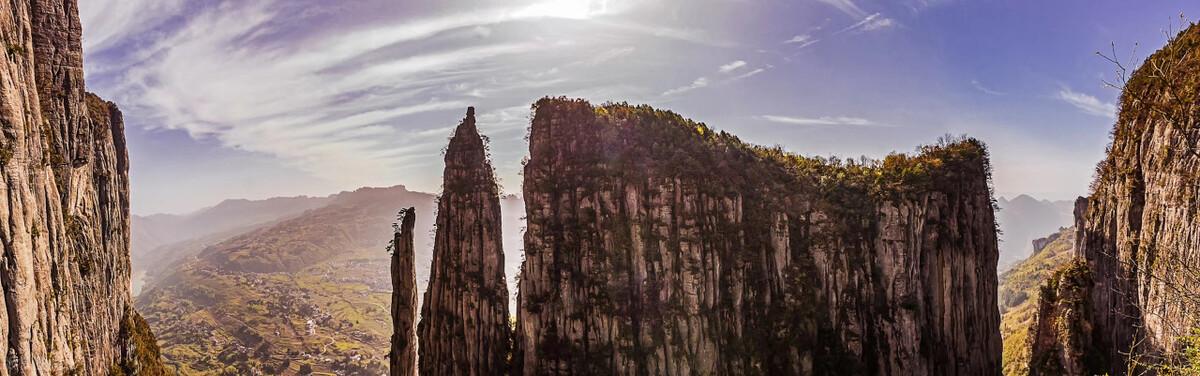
403,357
65,226
1139,231
464,328
655,246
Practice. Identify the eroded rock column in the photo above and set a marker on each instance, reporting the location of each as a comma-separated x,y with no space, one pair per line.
403,357
464,327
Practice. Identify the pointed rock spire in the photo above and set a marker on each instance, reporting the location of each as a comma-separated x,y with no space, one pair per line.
464,327
403,357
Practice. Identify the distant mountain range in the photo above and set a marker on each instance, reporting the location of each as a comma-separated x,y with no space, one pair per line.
1023,219
157,241
275,281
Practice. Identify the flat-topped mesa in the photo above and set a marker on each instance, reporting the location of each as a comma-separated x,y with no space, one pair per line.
403,356
464,328
655,245
65,212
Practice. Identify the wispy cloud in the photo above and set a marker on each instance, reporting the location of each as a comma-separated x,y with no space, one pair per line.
801,41
872,22
750,74
985,90
339,97
1087,103
110,23
730,68
698,83
727,68
846,6
823,121
610,55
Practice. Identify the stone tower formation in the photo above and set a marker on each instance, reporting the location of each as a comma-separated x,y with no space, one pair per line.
464,327
655,245
403,357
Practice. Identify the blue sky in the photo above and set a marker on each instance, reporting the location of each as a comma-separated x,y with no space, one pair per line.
254,99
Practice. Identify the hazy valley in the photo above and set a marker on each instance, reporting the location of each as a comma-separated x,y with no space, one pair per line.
306,276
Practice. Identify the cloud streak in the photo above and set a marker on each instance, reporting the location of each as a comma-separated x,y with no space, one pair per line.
729,68
698,83
1087,104
820,121
803,40
986,90
872,22
846,6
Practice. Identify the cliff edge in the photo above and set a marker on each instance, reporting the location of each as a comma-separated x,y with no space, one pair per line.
64,216
656,245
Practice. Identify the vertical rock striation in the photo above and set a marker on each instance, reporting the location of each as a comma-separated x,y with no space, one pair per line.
1139,231
403,357
464,328
656,246
64,217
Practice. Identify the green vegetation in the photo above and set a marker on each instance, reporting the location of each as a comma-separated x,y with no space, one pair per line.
14,50
6,153
145,359
685,148
1164,91
1019,287
1187,359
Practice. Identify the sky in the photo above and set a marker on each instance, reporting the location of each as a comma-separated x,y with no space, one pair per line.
264,98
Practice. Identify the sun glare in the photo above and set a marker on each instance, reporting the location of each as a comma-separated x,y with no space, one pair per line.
570,9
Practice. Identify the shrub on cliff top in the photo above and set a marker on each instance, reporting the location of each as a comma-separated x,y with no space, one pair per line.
688,148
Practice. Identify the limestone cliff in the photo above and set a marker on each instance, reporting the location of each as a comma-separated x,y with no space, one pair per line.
1139,230
464,328
655,245
403,357
65,211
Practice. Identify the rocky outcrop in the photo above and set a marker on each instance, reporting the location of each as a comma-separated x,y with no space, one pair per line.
1139,230
655,245
403,357
1062,333
1040,243
64,216
464,328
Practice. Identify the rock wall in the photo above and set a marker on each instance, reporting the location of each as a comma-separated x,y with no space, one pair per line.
403,357
64,217
1062,333
464,328
1139,231
657,246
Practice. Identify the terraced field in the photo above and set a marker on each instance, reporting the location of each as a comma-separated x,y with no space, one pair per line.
309,294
